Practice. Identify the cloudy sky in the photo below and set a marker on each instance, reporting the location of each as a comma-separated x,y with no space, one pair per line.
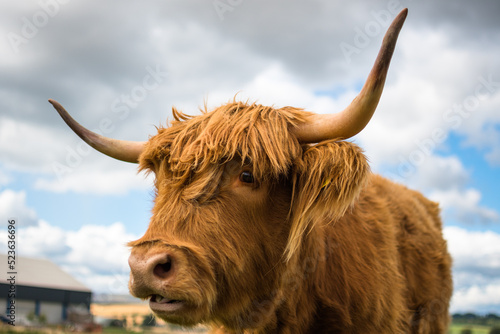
119,67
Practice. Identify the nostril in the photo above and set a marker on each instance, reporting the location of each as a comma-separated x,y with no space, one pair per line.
162,270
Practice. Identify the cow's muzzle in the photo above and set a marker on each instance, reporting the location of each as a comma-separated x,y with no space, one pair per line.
153,276
178,280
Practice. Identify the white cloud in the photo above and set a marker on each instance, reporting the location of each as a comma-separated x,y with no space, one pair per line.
481,127
95,255
444,180
474,298
42,239
434,173
476,263
27,147
471,248
465,206
99,257
13,205
275,86
99,248
106,181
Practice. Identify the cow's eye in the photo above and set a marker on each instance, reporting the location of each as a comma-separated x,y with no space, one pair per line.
247,177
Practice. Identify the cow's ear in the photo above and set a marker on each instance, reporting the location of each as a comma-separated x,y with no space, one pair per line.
327,181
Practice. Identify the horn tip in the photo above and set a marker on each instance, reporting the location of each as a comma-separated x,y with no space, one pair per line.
53,102
403,14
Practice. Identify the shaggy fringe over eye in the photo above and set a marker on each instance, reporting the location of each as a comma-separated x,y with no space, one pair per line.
257,134
326,183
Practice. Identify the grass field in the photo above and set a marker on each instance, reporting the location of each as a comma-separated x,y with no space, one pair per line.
133,315
455,329
138,310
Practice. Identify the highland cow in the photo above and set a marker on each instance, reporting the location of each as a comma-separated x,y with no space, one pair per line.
266,220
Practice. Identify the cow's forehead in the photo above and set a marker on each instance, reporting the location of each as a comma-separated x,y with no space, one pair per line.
250,132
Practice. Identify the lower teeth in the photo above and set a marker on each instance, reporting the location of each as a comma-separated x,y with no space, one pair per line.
158,298
161,299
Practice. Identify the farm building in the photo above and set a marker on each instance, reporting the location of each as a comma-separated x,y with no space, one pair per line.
42,289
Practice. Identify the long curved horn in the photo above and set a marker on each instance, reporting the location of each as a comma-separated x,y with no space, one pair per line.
128,151
356,116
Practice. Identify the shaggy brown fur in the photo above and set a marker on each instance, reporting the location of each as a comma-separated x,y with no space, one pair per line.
315,244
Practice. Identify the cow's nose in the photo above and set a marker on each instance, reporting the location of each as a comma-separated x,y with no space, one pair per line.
150,274
162,266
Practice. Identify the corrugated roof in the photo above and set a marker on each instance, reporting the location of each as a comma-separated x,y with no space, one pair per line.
40,273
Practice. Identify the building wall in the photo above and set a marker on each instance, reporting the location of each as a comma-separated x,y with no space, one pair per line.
52,311
53,303
23,308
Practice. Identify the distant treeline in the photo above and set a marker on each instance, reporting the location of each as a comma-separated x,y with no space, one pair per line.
490,319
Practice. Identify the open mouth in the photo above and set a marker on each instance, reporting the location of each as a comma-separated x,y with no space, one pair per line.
159,303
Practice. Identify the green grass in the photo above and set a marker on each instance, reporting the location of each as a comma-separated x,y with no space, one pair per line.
455,329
